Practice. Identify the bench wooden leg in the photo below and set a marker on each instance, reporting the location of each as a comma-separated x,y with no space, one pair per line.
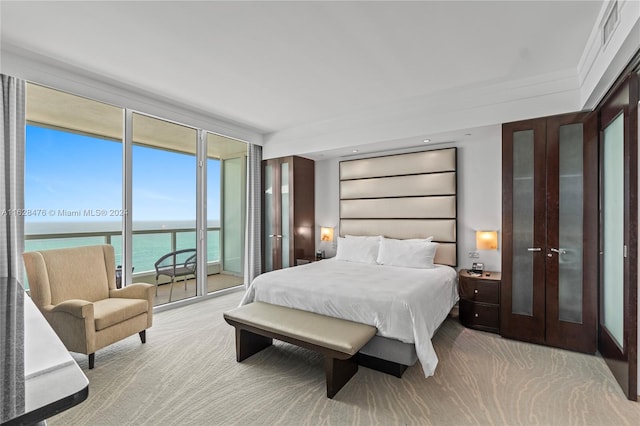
338,372
384,366
248,343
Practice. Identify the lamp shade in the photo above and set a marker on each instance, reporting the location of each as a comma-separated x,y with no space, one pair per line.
486,240
326,234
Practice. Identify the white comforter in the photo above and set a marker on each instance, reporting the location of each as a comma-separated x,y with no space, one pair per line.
405,304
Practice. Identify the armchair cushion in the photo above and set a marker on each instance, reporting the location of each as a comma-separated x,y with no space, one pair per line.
108,312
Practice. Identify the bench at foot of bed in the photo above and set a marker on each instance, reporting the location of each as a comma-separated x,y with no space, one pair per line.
257,324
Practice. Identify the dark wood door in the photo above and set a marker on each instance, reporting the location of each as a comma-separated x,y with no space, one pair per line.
288,211
572,224
549,256
524,230
618,320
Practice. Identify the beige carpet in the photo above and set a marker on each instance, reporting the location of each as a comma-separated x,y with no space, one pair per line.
186,374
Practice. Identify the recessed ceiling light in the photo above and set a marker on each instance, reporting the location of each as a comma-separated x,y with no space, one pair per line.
467,134
354,151
426,140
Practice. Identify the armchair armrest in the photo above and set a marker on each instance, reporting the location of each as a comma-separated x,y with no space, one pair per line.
137,291
76,307
133,291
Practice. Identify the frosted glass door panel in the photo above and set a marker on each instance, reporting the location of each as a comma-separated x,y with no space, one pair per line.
284,188
269,229
522,284
613,206
570,223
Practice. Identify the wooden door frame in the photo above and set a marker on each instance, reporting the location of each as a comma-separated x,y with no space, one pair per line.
623,98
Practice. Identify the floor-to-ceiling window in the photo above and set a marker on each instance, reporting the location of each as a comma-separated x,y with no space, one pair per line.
163,202
73,171
87,181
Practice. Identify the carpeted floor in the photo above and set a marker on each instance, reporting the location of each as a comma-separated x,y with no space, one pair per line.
186,374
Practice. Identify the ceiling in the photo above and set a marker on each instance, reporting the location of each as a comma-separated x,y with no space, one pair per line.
59,110
319,77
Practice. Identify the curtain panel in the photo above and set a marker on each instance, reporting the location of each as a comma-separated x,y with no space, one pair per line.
12,243
12,177
253,235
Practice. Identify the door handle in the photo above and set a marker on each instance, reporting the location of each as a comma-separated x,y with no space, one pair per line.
559,251
534,249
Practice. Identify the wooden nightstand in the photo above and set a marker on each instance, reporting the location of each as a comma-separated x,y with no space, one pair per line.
480,300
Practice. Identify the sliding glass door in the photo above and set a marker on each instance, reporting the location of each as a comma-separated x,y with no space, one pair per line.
163,204
100,174
73,171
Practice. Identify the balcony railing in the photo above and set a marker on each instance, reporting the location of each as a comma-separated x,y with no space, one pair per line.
148,245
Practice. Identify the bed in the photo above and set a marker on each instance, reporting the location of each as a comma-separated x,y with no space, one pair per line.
406,305
396,254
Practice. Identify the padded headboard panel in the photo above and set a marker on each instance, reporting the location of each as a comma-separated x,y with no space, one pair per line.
402,196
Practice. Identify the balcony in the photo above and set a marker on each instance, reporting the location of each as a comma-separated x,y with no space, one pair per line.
148,246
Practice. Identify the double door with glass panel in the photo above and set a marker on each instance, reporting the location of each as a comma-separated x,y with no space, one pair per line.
550,229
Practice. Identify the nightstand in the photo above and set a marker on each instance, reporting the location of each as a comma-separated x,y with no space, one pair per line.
480,300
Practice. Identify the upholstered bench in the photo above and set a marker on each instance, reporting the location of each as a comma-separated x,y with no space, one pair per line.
257,324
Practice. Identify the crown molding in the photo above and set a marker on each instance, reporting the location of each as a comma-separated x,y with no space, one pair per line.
484,104
600,65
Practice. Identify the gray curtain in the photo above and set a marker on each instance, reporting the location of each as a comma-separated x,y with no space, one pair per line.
253,235
11,245
12,177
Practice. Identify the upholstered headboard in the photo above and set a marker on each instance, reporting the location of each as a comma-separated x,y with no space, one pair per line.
402,196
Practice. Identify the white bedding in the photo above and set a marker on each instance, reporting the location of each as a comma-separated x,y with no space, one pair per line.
405,304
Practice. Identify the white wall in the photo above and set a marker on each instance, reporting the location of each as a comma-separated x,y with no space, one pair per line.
479,193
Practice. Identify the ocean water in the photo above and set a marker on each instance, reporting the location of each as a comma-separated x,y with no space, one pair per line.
148,247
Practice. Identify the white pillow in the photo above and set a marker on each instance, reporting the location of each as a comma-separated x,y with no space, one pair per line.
363,250
365,237
407,253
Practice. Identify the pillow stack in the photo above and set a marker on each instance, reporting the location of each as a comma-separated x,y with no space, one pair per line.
412,253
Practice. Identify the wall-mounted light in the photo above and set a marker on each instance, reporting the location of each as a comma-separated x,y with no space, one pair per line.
486,240
326,233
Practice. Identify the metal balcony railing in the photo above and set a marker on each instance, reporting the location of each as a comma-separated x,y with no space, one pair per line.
148,245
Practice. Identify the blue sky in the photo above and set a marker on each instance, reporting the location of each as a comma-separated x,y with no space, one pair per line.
67,171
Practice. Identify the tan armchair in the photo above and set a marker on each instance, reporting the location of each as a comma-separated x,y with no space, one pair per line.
75,289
